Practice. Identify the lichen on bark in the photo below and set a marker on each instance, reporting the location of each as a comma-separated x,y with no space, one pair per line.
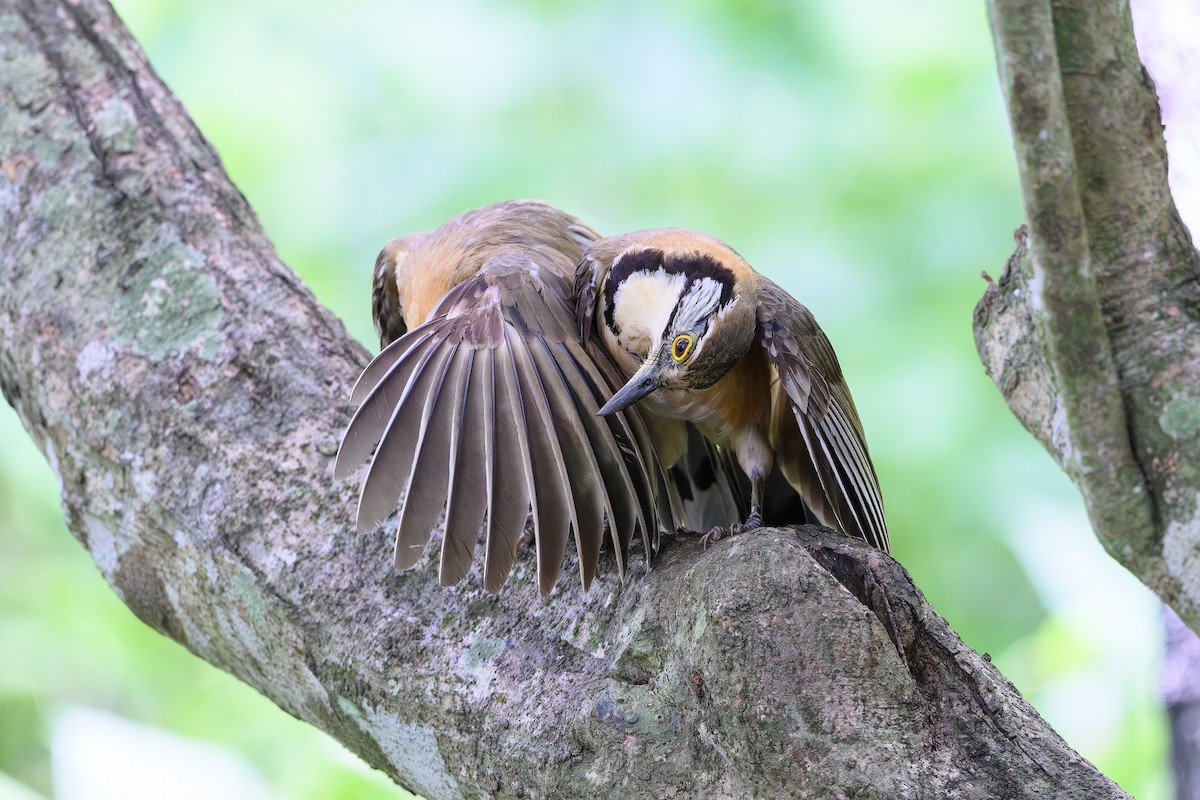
1105,310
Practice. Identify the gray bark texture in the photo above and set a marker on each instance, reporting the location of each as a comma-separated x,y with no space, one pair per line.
189,391
1092,333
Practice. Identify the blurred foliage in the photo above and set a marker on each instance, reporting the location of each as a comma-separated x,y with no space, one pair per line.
856,151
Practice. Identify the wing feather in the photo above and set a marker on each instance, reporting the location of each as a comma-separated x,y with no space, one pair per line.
827,459
621,499
393,457
376,372
512,474
636,451
423,502
430,465
553,511
373,415
706,483
568,411
467,491
834,474
865,496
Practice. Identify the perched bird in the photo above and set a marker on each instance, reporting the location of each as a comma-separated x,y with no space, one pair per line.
703,338
484,404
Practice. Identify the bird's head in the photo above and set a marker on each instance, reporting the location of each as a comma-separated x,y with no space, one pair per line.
683,303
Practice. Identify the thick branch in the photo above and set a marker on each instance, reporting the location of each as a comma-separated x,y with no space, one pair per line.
1091,335
188,391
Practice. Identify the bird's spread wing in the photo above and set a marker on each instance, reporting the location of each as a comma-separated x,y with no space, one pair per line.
488,411
827,456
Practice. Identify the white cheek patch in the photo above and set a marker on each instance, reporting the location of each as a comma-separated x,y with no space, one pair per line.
642,305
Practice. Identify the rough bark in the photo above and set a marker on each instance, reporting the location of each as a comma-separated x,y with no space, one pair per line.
188,391
1091,334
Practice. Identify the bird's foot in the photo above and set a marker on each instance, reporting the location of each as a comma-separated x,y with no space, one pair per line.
720,532
526,540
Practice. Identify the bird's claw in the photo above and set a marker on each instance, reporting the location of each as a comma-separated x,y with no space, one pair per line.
526,540
716,534
720,532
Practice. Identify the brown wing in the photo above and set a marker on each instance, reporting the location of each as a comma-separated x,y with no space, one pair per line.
589,278
488,410
825,455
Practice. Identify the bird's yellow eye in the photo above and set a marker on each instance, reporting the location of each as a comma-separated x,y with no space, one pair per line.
681,348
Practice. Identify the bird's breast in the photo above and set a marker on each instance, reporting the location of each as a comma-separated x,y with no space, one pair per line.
737,404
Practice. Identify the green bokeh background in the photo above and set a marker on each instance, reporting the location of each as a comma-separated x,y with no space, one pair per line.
854,150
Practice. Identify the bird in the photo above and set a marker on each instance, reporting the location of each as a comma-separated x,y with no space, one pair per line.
482,409
702,338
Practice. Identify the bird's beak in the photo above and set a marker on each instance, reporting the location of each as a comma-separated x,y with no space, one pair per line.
643,382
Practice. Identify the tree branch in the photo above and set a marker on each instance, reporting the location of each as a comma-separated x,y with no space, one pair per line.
188,391
1091,334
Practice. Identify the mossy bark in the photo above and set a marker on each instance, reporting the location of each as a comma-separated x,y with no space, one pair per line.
188,391
1093,333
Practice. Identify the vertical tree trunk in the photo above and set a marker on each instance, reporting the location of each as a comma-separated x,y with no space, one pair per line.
1091,332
